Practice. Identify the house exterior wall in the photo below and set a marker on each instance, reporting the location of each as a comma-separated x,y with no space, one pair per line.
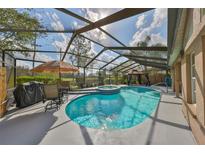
177,78
193,41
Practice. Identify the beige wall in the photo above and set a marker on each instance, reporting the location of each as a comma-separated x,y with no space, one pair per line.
173,78
186,95
199,62
194,113
177,74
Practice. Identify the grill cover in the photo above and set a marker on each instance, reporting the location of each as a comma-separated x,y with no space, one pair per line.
28,94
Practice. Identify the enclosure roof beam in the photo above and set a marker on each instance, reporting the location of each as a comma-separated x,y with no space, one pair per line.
127,66
145,57
9,54
144,61
69,53
70,13
147,61
139,48
120,15
39,61
68,46
92,40
30,60
98,43
35,30
120,65
89,58
157,65
94,58
31,50
110,62
88,21
50,51
53,52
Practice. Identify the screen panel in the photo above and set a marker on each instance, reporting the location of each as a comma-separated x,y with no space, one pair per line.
152,24
52,19
94,14
96,64
108,55
120,60
100,37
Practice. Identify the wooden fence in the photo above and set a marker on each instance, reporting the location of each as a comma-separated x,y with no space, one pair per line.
2,91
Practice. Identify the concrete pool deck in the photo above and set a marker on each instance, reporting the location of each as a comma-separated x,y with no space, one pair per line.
32,125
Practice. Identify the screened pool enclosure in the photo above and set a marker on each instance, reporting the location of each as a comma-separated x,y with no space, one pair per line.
111,47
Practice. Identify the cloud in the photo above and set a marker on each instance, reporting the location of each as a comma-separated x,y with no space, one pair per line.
56,23
61,45
92,14
140,35
96,34
75,25
43,57
29,65
95,15
24,64
92,50
157,38
159,17
140,21
38,56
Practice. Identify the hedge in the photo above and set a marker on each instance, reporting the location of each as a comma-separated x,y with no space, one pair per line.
44,79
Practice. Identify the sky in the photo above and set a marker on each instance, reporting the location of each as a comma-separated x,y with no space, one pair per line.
129,31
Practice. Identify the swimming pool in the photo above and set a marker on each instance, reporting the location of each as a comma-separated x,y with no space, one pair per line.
123,110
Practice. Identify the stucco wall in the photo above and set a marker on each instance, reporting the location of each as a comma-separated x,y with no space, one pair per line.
200,105
194,113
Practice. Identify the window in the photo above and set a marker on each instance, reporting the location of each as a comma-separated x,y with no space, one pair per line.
202,13
193,78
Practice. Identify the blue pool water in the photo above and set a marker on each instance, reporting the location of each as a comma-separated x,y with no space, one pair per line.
117,111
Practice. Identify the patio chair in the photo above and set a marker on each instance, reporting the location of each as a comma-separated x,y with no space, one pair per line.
52,94
64,86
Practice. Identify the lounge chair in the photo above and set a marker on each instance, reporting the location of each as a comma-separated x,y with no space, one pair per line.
52,94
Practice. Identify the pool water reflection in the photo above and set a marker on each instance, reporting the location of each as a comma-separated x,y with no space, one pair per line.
117,111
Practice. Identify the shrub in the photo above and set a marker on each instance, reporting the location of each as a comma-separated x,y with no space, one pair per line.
44,79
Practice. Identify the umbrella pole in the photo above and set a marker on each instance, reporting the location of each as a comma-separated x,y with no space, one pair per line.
59,75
